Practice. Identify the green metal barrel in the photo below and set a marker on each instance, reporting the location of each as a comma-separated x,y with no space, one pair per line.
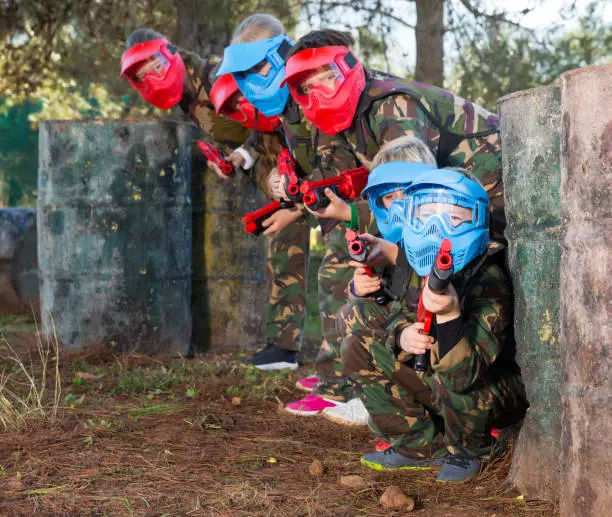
230,290
530,132
114,234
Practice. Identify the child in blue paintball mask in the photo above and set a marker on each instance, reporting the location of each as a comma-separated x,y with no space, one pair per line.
256,59
394,167
472,383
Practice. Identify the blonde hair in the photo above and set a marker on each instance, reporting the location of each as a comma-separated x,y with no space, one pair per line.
258,27
404,149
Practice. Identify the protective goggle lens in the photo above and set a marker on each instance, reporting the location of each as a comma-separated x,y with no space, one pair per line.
155,66
323,79
456,212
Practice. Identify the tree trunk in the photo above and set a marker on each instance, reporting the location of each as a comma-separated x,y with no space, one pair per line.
203,26
429,35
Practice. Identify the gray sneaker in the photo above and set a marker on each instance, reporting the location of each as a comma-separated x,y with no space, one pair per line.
393,460
459,467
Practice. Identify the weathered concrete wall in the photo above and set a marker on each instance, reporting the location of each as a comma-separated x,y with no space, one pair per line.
586,292
13,223
530,132
229,282
114,233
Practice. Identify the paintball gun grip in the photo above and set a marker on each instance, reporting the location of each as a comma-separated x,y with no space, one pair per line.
437,281
217,157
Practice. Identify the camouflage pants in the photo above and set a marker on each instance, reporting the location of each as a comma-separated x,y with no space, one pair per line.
407,409
287,258
334,277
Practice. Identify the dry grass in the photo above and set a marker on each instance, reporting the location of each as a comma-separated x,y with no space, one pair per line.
151,438
24,396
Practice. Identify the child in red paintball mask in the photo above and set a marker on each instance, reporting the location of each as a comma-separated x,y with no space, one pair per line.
165,77
339,96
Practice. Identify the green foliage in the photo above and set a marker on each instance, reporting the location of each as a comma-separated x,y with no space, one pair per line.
511,60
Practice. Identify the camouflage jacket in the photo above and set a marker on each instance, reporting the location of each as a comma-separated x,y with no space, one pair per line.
483,354
320,156
196,103
459,132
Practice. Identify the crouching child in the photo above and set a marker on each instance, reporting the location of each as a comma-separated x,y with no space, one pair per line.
443,416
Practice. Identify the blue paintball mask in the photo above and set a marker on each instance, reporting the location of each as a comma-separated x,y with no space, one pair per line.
442,205
248,62
385,178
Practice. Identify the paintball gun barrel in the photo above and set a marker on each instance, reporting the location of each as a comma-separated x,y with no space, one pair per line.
358,251
252,221
438,280
286,167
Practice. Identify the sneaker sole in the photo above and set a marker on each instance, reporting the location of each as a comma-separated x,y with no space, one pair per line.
302,413
378,466
456,480
276,366
348,423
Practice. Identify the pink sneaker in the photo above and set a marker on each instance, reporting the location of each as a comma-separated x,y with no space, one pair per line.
307,384
310,405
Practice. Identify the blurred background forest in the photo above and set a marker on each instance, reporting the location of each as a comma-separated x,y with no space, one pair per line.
59,59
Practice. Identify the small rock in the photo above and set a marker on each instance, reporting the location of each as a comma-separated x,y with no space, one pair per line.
15,484
316,469
236,401
353,481
394,498
85,375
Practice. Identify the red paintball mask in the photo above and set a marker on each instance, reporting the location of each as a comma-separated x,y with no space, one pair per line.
327,83
156,70
228,100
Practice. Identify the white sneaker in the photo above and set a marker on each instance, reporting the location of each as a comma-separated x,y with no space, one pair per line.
352,413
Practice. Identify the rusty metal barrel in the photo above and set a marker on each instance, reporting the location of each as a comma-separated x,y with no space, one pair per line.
114,234
229,281
586,292
14,222
530,132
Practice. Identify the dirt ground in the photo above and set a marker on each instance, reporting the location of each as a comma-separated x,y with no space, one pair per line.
138,436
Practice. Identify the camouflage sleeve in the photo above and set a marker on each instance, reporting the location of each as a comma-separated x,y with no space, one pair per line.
200,73
400,115
483,334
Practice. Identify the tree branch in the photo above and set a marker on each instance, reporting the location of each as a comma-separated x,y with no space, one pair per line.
500,17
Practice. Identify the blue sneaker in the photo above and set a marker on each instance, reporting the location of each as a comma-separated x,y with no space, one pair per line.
393,460
458,467
273,358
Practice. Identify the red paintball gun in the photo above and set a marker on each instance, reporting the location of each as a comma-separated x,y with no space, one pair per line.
286,167
216,156
437,280
347,185
253,220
